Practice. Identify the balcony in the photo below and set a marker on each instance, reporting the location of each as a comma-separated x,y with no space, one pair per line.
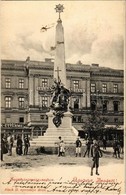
78,90
44,88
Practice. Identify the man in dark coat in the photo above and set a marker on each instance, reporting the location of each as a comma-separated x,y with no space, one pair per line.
26,145
96,152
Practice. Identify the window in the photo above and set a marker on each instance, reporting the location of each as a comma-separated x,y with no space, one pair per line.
116,120
115,88
42,117
76,84
21,102
8,119
21,119
74,119
8,102
104,88
44,102
79,119
44,82
93,87
104,106
37,131
76,104
21,83
7,83
116,106
93,105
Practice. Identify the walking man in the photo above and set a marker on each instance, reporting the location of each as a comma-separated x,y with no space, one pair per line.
96,152
88,146
78,147
26,145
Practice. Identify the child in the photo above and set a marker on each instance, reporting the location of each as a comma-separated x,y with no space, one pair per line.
62,148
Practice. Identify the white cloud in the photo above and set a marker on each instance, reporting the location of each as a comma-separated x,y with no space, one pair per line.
94,31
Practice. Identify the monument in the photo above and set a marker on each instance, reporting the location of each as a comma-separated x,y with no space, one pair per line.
59,116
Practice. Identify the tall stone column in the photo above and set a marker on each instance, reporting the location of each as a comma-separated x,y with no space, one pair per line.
59,64
65,129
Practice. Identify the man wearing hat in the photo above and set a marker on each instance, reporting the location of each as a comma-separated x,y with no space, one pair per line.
78,147
96,154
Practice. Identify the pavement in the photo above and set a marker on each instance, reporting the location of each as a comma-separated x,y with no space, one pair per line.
65,168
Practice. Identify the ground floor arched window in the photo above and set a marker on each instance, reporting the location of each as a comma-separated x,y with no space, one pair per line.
36,131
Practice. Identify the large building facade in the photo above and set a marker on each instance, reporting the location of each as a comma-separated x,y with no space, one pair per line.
26,94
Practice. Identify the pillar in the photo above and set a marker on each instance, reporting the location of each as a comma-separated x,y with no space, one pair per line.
88,92
36,92
31,90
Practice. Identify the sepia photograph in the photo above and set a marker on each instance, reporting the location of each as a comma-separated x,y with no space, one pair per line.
62,97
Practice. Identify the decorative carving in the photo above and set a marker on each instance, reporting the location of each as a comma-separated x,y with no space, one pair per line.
59,101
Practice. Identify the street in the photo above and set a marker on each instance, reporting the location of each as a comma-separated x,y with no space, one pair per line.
64,168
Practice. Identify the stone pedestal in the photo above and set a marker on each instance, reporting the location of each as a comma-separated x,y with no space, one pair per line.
65,130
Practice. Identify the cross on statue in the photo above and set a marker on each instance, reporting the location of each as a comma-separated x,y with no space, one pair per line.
58,70
59,8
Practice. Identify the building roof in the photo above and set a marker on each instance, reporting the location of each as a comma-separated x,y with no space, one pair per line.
94,69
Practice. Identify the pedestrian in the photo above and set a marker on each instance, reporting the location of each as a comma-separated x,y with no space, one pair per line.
19,146
10,142
121,146
78,147
26,144
88,146
62,148
116,148
96,152
59,146
4,148
104,143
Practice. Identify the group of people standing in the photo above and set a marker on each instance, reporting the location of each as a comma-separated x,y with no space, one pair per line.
19,148
92,146
7,143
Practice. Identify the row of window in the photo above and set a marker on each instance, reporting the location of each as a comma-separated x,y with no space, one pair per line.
76,84
8,83
21,83
79,119
104,88
8,101
21,102
44,103
104,106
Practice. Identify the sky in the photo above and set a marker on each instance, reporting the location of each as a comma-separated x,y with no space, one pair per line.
93,31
